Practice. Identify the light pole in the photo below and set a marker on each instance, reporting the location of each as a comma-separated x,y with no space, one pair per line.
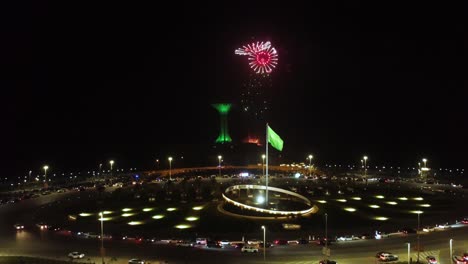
424,168
29,176
157,164
263,164
365,168
111,162
219,164
170,168
326,235
264,243
310,161
409,246
45,175
102,236
451,251
417,232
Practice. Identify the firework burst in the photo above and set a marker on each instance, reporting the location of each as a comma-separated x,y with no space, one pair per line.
262,57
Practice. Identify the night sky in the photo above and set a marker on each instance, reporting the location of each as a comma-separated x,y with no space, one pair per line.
86,82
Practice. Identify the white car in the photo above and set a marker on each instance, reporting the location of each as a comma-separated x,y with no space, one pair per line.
388,257
249,249
443,226
76,255
136,261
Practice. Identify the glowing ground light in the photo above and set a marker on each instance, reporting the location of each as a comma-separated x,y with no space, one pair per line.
127,214
182,226
171,209
392,203
379,196
374,206
135,223
381,218
322,201
157,216
85,214
357,198
191,218
107,212
418,198
341,200
148,209
425,205
127,209
197,208
403,198
350,209
416,212
105,218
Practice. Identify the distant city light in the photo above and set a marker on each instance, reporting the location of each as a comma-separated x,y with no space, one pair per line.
135,223
356,198
127,209
418,198
350,209
191,218
425,205
170,209
379,196
148,209
197,208
341,200
127,214
416,212
322,201
374,206
403,198
392,203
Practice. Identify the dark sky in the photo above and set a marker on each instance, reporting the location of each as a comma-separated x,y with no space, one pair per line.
85,82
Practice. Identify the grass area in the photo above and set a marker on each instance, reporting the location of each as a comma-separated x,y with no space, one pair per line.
34,260
131,212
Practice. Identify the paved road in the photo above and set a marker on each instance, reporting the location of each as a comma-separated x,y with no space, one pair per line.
55,245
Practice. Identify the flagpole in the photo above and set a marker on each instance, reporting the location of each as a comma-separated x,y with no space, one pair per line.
266,170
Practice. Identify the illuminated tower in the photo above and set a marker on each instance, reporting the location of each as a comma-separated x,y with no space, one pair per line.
223,110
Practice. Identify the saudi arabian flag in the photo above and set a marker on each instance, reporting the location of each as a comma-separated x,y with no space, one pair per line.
274,139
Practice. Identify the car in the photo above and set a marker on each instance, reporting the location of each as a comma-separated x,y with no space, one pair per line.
443,226
281,242
380,253
76,255
429,228
388,257
249,249
459,260
431,260
185,243
465,220
19,226
408,230
42,225
225,243
327,261
136,261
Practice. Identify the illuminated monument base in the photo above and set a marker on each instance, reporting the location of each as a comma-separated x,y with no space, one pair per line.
253,202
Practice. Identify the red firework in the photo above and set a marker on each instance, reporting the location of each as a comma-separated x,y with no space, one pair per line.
263,58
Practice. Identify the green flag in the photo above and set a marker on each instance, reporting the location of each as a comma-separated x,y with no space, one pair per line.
274,139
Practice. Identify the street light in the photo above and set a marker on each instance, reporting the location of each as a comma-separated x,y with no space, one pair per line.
417,232
310,161
100,169
170,168
29,176
409,246
326,235
451,251
111,162
365,168
264,243
219,164
102,236
425,162
263,164
157,163
45,174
